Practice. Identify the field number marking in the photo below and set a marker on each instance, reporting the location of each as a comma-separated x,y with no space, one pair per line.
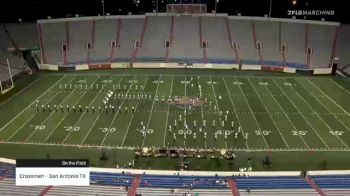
71,128
336,132
262,132
299,132
110,130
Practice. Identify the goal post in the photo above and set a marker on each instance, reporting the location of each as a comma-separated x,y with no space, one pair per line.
8,65
0,87
3,87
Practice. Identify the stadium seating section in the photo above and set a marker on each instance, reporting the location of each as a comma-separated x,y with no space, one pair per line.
145,38
121,183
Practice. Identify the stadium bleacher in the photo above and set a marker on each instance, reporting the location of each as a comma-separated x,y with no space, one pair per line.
186,39
159,26
105,32
53,36
321,50
343,49
295,44
27,40
130,32
105,183
186,33
267,33
7,187
218,41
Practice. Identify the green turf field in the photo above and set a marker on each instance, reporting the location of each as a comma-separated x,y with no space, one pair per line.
267,114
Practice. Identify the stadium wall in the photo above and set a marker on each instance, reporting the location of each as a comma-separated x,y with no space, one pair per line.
175,65
48,67
322,71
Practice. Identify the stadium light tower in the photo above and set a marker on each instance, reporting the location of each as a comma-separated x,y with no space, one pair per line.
103,7
270,9
216,5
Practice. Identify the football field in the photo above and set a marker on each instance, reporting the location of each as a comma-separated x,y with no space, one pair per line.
131,111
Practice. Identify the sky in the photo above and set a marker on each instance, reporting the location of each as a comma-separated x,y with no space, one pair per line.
31,10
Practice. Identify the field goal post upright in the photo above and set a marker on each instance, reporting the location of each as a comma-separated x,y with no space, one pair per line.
8,64
186,9
0,87
3,91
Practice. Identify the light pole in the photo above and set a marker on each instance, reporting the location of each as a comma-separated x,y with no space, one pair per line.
103,7
270,9
216,5
156,6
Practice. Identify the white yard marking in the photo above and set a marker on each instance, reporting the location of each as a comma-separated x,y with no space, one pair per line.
151,112
234,109
98,116
205,141
290,121
329,98
29,119
345,90
57,125
47,118
217,104
302,115
320,116
115,116
127,130
25,109
19,92
256,121
185,107
167,115
285,142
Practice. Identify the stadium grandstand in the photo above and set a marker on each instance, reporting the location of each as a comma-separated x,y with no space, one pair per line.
187,98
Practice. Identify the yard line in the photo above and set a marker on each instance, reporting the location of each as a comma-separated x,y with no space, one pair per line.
185,107
127,130
321,117
58,124
19,92
167,115
346,90
205,141
93,124
325,106
301,137
47,118
150,114
31,103
329,98
216,100
234,109
301,114
268,113
29,119
115,116
256,121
